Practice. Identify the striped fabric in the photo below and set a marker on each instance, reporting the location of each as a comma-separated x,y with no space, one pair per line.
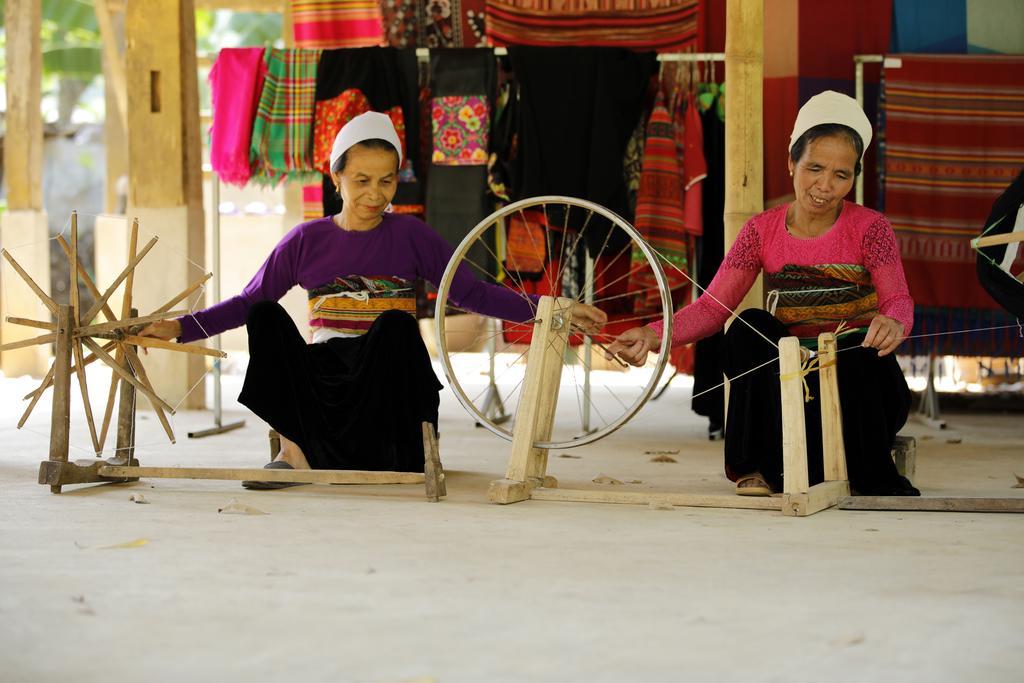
663,25
954,141
349,305
810,300
329,24
282,134
659,208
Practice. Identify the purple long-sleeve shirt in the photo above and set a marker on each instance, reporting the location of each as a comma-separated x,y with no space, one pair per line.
315,253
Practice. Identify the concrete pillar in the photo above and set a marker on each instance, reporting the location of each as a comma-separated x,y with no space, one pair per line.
23,230
165,172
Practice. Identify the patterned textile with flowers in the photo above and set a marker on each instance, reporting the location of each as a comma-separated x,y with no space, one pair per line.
331,115
460,126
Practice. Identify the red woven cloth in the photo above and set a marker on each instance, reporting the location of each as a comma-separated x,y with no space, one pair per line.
955,140
663,25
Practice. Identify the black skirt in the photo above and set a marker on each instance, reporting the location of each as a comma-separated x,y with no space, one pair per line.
349,403
873,394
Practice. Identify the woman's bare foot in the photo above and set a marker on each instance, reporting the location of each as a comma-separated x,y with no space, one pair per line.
292,454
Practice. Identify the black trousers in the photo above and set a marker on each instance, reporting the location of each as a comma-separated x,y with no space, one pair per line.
873,393
355,403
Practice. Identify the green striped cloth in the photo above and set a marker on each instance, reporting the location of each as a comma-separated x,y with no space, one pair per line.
282,134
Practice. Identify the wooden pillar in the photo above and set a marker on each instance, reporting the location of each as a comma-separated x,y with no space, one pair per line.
165,172
115,134
744,122
24,230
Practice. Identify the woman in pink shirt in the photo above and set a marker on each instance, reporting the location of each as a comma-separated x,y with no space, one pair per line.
829,265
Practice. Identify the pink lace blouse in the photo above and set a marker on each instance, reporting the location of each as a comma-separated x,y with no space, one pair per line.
861,237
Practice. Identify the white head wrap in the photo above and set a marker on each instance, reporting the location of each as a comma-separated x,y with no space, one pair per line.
369,126
831,107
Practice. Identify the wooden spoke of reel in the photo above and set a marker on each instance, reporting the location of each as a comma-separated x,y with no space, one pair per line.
75,333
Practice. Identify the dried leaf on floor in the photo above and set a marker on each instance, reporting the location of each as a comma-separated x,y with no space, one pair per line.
1020,482
849,639
675,452
661,506
138,498
567,455
634,481
605,479
664,458
235,507
137,543
956,440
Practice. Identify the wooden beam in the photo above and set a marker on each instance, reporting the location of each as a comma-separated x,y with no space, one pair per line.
260,474
937,504
113,60
995,240
645,498
23,141
833,447
794,432
60,413
744,122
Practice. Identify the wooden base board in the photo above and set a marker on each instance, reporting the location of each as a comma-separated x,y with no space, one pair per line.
260,474
57,473
926,504
818,497
645,498
506,491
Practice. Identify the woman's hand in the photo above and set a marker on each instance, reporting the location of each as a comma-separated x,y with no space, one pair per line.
162,329
884,334
589,319
633,345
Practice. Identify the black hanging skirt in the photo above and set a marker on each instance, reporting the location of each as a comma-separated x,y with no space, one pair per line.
349,403
873,394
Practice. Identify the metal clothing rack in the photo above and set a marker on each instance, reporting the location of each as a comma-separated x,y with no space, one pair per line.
218,426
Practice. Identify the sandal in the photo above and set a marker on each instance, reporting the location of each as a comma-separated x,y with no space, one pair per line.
752,485
271,485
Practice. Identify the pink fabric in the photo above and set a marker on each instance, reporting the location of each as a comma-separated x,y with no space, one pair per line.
860,237
236,81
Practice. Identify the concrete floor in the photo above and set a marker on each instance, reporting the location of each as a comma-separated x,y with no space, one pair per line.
374,584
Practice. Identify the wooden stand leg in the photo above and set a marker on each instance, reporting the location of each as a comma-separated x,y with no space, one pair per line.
275,444
799,499
60,414
794,431
535,415
432,470
832,445
125,451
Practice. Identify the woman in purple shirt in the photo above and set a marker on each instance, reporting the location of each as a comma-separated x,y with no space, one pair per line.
355,398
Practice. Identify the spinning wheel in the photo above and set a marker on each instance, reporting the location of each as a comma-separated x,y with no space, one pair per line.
74,332
113,341
568,250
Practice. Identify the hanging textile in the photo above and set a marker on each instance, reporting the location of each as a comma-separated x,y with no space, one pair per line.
236,82
659,209
578,108
282,130
386,80
453,23
662,25
331,115
954,141
460,128
400,23
707,371
695,167
463,82
330,24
